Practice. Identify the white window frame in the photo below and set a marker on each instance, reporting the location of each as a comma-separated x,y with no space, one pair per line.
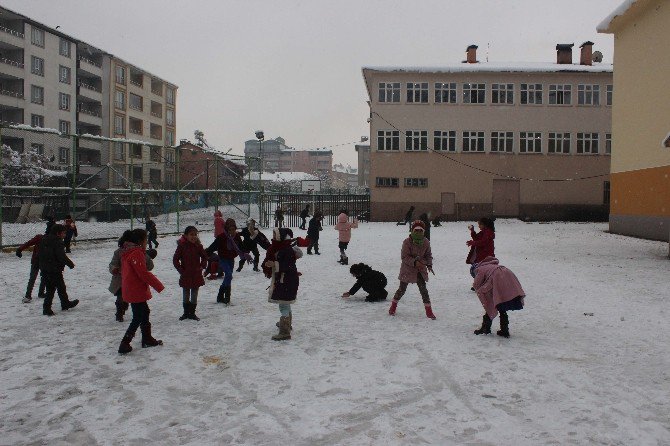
502,142
64,127
63,155
387,182
119,180
416,140
389,92
444,140
530,142
416,182
446,93
120,75
119,151
37,66
588,94
36,120
39,97
473,141
474,90
169,137
64,74
65,48
588,143
169,95
119,119
560,94
388,140
502,94
531,94
119,99
130,102
37,37
608,143
169,116
64,101
609,95
39,148
559,143
417,92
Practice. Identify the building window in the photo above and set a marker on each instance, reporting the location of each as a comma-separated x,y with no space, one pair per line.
445,93
137,174
386,182
169,96
64,47
169,180
389,92
502,93
588,94
120,100
169,137
155,176
444,140
416,140
64,127
118,177
388,140
474,93
64,74
608,143
416,182
531,94
606,193
417,92
64,101
560,94
473,141
136,151
120,75
64,155
119,125
530,142
169,157
155,154
610,90
559,142
119,151
502,142
37,65
587,143
36,94
37,37
134,101
37,148
37,120
169,116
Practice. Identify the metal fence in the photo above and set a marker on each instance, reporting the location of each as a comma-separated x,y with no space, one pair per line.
330,205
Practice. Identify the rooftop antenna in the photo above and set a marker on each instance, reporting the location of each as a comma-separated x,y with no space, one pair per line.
488,46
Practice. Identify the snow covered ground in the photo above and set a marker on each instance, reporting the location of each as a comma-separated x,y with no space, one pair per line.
352,375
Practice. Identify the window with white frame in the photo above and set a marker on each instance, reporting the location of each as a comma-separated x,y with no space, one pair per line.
169,116
474,93
473,141
37,65
63,155
417,92
36,94
389,92
120,75
531,94
388,140
560,94
588,94
135,101
64,101
169,179
416,182
37,37
37,120
559,142
65,48
386,182
610,90
608,143
169,157
169,96
587,143
530,142
445,93
444,140
416,140
37,148
502,142
119,125
64,74
169,137
120,100
502,93
119,151
64,127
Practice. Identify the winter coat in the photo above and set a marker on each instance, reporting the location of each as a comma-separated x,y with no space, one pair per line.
135,277
409,254
151,228
482,246
252,240
52,258
35,243
344,227
220,244
70,228
190,259
279,215
285,279
115,270
304,213
218,223
313,228
495,285
370,281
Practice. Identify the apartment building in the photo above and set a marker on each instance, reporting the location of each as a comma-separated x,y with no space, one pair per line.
363,151
640,125
526,140
278,157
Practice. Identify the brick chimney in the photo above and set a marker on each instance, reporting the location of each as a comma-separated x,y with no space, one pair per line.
471,54
586,58
564,53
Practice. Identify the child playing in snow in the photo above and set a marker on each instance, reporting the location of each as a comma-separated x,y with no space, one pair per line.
212,267
219,222
498,290
34,267
152,232
313,231
228,245
251,238
417,261
189,259
52,261
135,282
373,282
344,228
70,231
481,245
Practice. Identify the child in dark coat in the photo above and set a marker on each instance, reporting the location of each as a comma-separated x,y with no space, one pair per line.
52,261
313,230
70,231
303,215
34,267
251,238
190,259
373,282
228,245
152,233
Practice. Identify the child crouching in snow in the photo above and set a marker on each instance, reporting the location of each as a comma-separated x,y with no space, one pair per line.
189,259
498,290
212,267
344,228
417,261
373,282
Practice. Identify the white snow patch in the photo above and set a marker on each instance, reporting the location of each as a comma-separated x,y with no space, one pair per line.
512,67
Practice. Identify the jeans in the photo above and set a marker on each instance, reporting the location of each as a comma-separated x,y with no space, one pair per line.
227,266
140,317
285,309
473,270
192,293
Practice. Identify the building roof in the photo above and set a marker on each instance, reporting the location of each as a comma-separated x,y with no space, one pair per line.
284,176
606,25
236,159
498,67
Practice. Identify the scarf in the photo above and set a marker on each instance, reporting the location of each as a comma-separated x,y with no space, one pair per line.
417,239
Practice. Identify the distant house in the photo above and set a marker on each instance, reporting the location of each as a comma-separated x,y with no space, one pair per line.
640,192
278,157
344,177
201,168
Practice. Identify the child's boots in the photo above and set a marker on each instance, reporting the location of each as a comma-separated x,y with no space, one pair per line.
147,339
429,312
504,325
486,326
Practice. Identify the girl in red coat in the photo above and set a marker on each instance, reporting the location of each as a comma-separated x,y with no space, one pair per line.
135,282
481,245
190,259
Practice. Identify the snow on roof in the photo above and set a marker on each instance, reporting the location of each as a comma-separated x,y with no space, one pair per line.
341,168
284,176
603,27
499,67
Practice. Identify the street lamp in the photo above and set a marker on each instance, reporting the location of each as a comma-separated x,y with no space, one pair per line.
260,137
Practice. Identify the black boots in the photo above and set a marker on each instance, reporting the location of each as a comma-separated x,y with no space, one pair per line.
486,326
69,304
343,260
241,265
504,325
147,339
121,308
191,314
125,346
220,295
187,312
224,295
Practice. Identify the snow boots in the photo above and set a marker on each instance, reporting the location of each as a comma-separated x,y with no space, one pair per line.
191,314
504,325
147,339
429,312
187,312
284,329
344,260
121,308
226,296
394,305
486,326
290,322
125,346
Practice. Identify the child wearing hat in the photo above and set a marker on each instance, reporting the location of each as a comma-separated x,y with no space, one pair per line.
228,245
417,261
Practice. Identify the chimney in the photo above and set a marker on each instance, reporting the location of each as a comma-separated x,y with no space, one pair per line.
586,57
471,54
564,53
183,141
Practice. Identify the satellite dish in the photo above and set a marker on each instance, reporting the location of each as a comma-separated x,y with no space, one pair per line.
597,56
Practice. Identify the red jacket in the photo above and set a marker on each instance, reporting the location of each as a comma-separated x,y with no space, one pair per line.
218,224
189,259
482,245
35,243
135,278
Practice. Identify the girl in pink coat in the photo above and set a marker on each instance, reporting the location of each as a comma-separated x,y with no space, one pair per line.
218,223
498,290
417,261
344,228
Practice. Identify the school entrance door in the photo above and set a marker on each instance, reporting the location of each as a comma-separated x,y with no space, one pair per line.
506,198
448,205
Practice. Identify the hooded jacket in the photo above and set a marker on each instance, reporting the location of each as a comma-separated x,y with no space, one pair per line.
135,277
52,256
115,270
280,265
370,280
189,259
35,243
496,284
482,245
344,227
409,254
314,227
219,222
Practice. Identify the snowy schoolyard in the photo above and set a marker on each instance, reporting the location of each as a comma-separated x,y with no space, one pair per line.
588,361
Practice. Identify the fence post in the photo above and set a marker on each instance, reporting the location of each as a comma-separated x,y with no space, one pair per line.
216,169
74,177
132,193
2,154
178,156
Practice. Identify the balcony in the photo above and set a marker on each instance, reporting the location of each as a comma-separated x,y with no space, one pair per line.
156,110
11,116
89,116
136,78
90,67
12,68
157,87
11,99
156,132
89,91
135,126
12,37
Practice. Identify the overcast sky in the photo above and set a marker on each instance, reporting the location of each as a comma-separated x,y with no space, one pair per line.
293,67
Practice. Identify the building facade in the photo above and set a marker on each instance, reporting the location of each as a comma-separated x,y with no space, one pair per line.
479,139
640,125
278,157
200,168
363,151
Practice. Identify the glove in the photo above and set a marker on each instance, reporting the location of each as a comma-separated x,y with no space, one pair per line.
71,266
152,253
19,254
469,243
